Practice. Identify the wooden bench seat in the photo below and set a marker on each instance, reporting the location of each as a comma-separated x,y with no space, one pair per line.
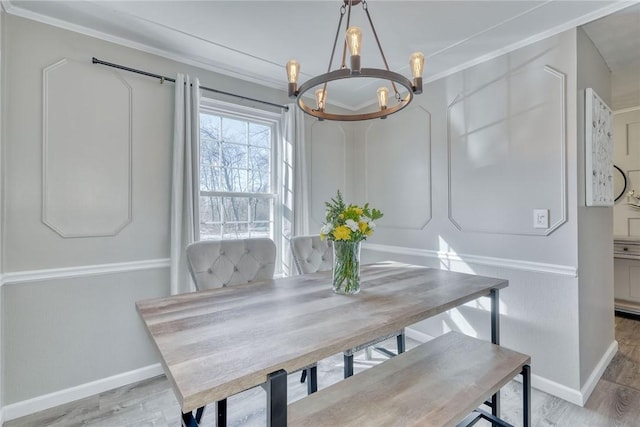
438,383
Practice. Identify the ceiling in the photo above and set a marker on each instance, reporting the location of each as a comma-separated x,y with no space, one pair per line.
617,37
253,40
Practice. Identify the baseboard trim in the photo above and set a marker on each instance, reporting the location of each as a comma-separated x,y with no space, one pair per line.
514,264
596,374
82,271
1,416
40,403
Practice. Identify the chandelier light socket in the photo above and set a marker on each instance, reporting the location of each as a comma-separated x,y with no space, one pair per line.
355,64
417,85
293,90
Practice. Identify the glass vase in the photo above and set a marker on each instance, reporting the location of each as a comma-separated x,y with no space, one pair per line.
346,267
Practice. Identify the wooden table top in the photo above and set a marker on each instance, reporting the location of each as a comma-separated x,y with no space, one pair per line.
216,343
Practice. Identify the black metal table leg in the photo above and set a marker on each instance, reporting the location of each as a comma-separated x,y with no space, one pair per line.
348,365
221,409
188,420
526,396
277,399
312,384
495,338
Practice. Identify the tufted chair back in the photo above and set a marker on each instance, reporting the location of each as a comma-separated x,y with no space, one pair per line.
311,254
219,263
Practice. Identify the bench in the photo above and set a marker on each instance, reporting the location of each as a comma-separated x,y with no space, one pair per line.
442,382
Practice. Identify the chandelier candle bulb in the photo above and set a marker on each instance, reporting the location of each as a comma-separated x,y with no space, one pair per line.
293,70
320,98
354,42
416,62
383,99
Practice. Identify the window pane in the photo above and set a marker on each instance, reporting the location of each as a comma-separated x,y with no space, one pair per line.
261,209
209,127
260,135
260,170
236,209
234,131
234,155
210,217
233,180
236,231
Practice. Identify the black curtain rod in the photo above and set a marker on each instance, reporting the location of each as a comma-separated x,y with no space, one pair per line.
169,79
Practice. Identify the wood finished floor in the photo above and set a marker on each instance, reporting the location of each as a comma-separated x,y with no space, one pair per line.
614,402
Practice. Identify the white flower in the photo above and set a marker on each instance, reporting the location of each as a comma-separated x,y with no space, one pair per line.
326,229
352,225
372,225
365,219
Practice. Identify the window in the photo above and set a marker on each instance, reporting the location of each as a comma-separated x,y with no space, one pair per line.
238,173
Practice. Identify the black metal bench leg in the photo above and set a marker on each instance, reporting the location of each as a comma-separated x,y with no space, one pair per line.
401,343
312,384
303,376
277,399
526,396
348,365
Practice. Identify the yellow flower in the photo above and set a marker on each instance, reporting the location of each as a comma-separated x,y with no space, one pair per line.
341,216
362,226
342,233
357,210
369,232
323,236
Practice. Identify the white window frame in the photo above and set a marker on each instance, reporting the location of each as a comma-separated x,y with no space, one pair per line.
273,120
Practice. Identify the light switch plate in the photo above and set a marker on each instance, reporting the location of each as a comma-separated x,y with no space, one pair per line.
541,218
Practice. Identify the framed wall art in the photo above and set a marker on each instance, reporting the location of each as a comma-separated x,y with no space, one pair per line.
598,151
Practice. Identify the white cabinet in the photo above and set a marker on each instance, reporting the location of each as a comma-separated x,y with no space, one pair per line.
626,273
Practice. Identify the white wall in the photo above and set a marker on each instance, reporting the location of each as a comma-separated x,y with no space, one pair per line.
475,154
595,231
68,302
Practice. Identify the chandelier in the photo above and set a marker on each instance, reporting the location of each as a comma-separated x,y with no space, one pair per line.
353,40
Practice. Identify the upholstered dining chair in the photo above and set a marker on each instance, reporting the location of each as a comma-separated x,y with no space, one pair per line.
220,263
312,254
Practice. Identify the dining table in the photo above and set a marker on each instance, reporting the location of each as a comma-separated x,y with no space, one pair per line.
216,343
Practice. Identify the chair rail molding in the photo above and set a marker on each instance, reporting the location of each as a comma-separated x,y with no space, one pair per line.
513,264
82,271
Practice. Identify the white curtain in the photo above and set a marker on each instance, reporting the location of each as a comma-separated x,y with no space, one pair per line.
185,180
294,132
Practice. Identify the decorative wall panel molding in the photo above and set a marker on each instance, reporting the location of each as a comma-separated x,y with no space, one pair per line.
400,160
507,153
514,264
328,168
82,271
87,143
